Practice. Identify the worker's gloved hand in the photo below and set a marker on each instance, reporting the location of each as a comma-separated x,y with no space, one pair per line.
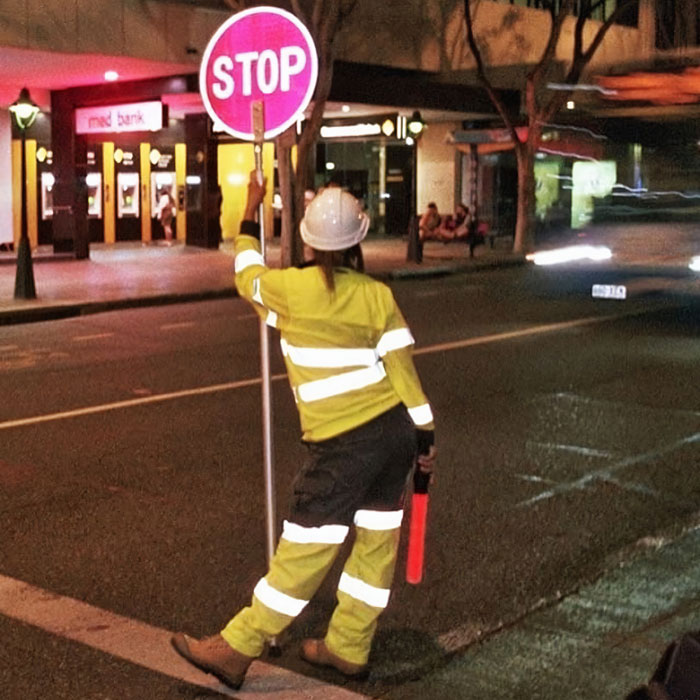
256,194
427,454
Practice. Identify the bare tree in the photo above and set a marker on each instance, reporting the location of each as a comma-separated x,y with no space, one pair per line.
323,18
540,104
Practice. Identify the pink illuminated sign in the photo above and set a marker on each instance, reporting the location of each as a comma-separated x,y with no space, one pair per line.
137,116
263,54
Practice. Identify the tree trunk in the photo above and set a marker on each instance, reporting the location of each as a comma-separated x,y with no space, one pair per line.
523,240
285,172
299,185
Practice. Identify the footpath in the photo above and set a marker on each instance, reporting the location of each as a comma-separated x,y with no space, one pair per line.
130,274
593,644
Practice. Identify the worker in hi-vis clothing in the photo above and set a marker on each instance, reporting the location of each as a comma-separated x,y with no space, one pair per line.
365,422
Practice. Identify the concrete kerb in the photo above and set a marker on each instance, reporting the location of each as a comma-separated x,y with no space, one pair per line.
454,269
54,312
36,311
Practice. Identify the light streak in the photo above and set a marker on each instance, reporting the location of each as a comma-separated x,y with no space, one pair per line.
654,194
568,87
571,253
630,189
567,154
583,129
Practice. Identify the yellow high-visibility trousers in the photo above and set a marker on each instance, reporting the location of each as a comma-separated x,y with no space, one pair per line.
363,593
296,572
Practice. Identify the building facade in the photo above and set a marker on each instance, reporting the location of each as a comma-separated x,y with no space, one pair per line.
100,59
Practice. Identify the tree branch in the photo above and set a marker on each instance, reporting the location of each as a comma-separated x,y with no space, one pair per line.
581,58
578,37
299,11
345,9
483,78
236,5
603,29
317,14
553,40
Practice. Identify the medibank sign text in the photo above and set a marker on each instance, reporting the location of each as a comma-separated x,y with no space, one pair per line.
137,116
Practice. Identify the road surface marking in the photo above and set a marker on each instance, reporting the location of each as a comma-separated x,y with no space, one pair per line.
441,347
128,403
22,359
177,326
148,646
93,336
577,449
535,478
509,335
606,473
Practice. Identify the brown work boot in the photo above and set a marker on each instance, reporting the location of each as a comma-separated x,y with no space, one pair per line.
316,652
213,655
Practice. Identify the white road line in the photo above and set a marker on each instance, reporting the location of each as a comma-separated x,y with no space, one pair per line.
128,403
441,347
94,336
606,473
7,348
509,335
535,478
577,449
177,326
148,646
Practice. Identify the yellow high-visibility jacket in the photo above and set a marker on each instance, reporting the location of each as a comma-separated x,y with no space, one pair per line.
347,352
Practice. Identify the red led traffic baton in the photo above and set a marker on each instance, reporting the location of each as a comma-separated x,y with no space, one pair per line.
416,533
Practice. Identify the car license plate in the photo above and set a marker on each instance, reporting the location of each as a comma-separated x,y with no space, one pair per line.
609,291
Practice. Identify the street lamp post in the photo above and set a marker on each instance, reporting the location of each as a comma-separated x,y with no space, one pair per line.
25,112
414,253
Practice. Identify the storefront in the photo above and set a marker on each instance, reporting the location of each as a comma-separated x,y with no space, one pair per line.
374,159
571,170
125,174
107,155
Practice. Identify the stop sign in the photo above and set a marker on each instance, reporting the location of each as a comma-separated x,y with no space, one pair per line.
263,54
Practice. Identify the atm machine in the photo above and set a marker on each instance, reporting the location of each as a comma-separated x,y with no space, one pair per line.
45,188
47,183
93,182
162,181
128,223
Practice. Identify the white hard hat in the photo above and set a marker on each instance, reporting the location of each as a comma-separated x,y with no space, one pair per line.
334,220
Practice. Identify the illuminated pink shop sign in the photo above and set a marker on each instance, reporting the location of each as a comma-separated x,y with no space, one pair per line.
137,116
263,54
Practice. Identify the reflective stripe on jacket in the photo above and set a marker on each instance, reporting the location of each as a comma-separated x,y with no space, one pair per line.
347,352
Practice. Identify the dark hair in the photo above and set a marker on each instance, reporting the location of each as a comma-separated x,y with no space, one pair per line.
328,260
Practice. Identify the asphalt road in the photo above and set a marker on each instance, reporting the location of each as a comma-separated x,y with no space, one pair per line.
131,478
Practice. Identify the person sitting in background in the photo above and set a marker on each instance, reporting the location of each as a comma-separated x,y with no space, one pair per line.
429,223
454,227
459,226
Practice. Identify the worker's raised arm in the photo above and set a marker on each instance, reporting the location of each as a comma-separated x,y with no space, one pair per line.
254,280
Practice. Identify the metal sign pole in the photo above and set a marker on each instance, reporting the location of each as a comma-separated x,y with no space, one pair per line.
257,113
